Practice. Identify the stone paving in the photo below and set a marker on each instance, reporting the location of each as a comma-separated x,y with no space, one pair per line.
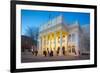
29,57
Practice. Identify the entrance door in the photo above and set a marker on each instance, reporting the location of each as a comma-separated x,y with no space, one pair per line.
73,50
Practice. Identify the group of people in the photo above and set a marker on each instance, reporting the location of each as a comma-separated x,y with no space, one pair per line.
48,52
34,51
51,53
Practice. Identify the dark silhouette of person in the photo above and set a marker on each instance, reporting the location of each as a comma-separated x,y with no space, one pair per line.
63,50
45,53
78,51
58,51
36,52
32,50
51,53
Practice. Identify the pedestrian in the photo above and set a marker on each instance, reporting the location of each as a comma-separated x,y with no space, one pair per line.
36,52
32,50
45,53
58,51
63,50
51,53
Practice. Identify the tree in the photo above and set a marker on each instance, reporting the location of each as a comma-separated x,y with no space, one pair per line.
32,32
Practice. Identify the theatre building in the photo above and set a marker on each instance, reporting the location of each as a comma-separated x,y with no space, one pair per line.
60,38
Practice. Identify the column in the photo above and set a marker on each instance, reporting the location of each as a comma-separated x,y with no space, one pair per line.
49,43
60,53
66,43
71,44
54,43
46,41
42,44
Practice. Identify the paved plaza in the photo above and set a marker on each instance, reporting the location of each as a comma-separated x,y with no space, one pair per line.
29,57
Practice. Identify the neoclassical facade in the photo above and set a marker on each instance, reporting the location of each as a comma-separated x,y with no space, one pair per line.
59,37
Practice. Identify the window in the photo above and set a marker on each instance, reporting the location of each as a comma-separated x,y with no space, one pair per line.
69,37
73,37
73,50
69,49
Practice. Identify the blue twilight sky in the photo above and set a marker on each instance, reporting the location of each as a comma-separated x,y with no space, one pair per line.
33,18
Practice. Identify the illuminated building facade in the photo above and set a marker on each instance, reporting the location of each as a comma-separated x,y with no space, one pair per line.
59,37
